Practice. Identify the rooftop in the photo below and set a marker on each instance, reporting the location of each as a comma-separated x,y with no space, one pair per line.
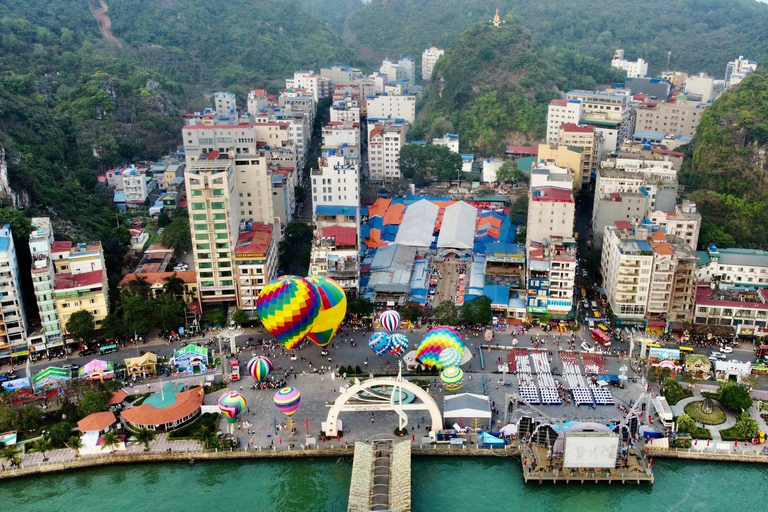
254,241
184,404
84,280
96,422
159,277
575,128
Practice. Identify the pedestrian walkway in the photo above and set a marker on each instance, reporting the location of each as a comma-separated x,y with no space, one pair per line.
730,418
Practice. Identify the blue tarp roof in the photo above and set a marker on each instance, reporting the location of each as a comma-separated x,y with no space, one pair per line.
120,197
498,294
327,209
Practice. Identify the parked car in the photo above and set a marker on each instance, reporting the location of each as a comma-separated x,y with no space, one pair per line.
86,352
71,366
717,355
587,347
726,349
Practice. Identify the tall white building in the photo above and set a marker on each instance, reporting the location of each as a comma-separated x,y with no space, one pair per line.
40,243
551,213
609,113
559,112
402,70
701,85
385,106
733,267
315,86
226,106
337,180
626,266
684,222
737,70
551,276
636,68
385,139
13,320
342,75
429,58
450,140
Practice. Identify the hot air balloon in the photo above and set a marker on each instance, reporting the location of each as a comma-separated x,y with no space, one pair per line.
231,405
333,303
390,320
449,357
398,344
287,400
288,306
435,341
453,378
379,343
259,367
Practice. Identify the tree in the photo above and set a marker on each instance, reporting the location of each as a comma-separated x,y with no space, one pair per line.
215,316
426,164
112,326
447,313
59,433
203,434
41,445
671,386
28,418
477,311
411,311
138,287
138,315
176,235
746,427
81,325
11,454
359,307
75,442
174,286
144,436
110,440
510,174
686,424
295,248
21,226
735,397
169,313
93,401
240,317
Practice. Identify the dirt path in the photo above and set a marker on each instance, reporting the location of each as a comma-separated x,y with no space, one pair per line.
99,10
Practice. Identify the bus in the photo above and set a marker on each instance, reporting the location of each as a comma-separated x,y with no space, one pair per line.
601,337
602,327
107,349
686,349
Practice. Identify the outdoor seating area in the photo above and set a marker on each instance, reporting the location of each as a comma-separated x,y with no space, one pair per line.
550,394
594,364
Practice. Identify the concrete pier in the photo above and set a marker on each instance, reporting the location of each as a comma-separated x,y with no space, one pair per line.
381,477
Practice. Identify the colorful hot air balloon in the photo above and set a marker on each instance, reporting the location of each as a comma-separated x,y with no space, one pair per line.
259,367
288,306
379,343
453,378
287,400
231,405
333,302
389,320
435,341
449,357
398,344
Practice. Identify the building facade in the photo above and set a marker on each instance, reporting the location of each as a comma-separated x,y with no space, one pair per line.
429,58
385,139
256,259
559,112
678,118
633,68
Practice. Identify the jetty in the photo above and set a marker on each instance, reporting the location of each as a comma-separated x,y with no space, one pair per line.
381,477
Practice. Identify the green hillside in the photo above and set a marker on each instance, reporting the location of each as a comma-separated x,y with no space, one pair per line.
494,84
701,34
728,172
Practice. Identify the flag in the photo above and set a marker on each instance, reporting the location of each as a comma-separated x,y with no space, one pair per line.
280,440
650,464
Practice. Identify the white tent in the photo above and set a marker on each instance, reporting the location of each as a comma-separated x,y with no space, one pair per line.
467,407
418,224
458,227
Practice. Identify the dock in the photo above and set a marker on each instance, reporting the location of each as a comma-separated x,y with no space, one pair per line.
381,477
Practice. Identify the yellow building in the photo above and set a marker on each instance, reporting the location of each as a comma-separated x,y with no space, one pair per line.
157,282
564,156
85,291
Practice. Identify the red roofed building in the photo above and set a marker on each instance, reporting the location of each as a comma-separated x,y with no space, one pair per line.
255,262
168,412
551,213
158,280
85,291
522,151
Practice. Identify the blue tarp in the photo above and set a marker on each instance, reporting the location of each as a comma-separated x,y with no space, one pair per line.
323,209
488,439
498,294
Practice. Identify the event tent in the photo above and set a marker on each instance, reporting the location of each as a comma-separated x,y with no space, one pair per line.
97,369
458,227
418,224
51,376
466,408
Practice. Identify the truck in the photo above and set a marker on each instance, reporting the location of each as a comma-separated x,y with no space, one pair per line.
761,351
234,369
663,410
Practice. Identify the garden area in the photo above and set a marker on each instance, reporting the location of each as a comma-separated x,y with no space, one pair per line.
699,411
687,425
204,429
673,391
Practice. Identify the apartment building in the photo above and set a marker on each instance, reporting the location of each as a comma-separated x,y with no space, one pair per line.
657,89
633,68
449,140
315,86
402,70
677,118
551,213
429,58
40,244
559,112
744,309
683,222
257,100
336,181
702,86
80,281
737,70
385,106
13,320
609,113
589,140
136,187
338,134
342,75
733,267
226,107
335,254
571,157
551,276
256,259
384,142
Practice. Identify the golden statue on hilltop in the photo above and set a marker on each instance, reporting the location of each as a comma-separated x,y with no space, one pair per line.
496,19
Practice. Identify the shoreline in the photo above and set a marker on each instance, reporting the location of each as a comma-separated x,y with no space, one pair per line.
193,457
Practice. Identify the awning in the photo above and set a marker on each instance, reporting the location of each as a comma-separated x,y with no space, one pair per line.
37,348
53,344
20,352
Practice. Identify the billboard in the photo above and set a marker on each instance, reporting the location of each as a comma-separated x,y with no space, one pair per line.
13,385
658,355
590,450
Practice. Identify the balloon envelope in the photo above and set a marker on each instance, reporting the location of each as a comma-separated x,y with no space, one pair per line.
288,306
287,400
379,343
453,378
333,303
398,344
231,404
449,357
435,341
259,367
390,320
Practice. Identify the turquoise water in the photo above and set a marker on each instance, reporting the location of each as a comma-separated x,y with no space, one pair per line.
439,484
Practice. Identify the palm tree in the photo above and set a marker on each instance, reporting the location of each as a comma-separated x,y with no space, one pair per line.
110,440
41,445
203,434
139,286
11,454
75,443
144,436
174,286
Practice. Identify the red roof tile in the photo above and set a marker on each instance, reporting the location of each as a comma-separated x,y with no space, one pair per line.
575,128
255,241
345,236
186,403
96,422
86,279
61,246
188,276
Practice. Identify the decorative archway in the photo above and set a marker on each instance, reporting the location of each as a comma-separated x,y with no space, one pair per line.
381,402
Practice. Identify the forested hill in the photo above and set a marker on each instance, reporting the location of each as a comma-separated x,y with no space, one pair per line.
493,86
701,34
728,173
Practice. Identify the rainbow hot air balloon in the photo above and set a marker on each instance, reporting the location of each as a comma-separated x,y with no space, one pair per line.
379,343
333,303
231,405
259,367
287,400
288,307
449,357
390,320
398,344
453,378
435,341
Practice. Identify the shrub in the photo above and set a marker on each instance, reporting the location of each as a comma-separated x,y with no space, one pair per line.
735,397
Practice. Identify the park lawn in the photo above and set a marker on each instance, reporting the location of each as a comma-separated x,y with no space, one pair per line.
730,434
716,417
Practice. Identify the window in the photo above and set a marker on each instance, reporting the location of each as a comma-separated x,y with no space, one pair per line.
218,192
201,236
197,192
217,205
219,216
220,225
198,216
198,206
202,247
201,227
